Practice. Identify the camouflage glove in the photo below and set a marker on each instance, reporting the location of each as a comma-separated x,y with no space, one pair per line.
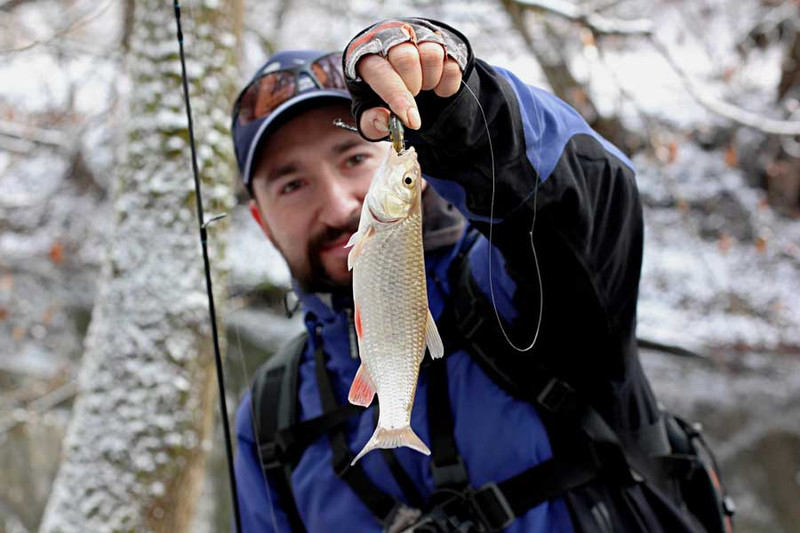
382,72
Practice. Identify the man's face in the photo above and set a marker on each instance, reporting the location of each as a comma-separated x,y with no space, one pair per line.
309,184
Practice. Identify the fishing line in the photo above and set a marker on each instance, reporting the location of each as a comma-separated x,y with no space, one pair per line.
491,234
257,431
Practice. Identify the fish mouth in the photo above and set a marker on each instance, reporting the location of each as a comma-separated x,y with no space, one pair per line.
381,220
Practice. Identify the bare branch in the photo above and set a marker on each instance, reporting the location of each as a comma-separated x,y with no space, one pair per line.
606,26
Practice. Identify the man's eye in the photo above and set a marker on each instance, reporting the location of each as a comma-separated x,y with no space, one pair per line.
356,160
291,186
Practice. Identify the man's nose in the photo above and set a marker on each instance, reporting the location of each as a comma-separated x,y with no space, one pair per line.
340,201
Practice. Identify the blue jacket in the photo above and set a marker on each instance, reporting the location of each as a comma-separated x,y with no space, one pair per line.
588,235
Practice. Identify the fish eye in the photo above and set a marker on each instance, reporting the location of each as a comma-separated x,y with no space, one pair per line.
408,181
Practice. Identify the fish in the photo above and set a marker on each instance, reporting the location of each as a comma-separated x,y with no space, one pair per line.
392,319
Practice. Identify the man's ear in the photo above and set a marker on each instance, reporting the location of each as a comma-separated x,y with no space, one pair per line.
256,212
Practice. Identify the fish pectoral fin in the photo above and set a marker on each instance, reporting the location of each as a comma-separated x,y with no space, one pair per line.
357,242
362,390
354,238
433,339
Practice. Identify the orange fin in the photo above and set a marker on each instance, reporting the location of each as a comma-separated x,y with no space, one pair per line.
357,320
362,390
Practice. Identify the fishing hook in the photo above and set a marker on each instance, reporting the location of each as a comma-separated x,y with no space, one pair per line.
395,131
339,123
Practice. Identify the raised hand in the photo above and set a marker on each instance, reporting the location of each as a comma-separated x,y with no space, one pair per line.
399,77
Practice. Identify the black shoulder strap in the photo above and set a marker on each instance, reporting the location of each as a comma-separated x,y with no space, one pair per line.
470,320
274,389
274,402
282,440
383,506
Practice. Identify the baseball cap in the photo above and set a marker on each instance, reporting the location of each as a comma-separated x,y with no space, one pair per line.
290,82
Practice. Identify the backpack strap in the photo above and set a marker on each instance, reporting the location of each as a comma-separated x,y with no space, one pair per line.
447,466
273,405
282,440
388,510
602,452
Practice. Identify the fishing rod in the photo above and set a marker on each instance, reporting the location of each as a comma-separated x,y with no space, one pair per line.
223,407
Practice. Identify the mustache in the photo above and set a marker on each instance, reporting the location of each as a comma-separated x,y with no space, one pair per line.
331,234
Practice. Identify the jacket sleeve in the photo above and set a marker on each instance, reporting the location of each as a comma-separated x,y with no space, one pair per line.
586,187
258,501
488,148
524,166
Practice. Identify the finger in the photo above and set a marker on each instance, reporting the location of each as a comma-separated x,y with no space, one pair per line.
381,76
405,60
431,56
450,81
375,123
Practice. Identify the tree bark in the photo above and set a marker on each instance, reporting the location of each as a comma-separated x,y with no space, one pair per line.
133,456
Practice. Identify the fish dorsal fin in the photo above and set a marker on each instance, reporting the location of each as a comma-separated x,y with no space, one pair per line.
362,390
433,339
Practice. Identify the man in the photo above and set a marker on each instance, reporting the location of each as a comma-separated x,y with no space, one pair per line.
494,150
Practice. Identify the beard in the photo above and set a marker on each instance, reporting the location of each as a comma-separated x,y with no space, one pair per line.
316,277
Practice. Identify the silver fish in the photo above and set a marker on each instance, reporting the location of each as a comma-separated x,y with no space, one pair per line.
392,319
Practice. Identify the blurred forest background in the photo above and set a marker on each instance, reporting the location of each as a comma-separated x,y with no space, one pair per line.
108,417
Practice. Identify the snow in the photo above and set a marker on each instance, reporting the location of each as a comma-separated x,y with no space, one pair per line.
726,298
707,284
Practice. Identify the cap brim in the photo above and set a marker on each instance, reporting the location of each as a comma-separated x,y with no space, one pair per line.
283,112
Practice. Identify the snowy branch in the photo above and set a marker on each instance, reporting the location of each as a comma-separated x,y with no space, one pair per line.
606,26
591,19
31,134
40,405
724,109
70,26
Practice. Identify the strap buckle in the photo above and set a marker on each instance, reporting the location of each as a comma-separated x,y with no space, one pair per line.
449,475
492,507
272,457
555,395
402,518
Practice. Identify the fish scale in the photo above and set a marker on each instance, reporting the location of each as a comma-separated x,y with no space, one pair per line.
393,324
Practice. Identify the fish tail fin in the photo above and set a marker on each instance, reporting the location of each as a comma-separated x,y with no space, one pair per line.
393,438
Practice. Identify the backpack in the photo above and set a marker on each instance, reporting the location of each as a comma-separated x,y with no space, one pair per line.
668,481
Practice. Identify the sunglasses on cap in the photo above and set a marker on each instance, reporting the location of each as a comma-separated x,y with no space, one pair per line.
267,92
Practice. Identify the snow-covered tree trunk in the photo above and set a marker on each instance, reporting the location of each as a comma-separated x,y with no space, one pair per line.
134,452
